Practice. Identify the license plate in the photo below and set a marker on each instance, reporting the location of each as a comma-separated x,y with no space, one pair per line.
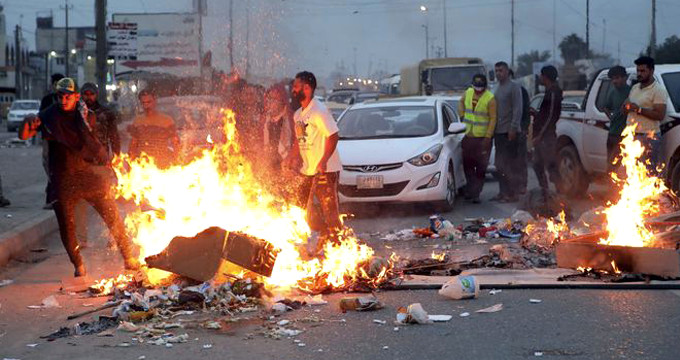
369,182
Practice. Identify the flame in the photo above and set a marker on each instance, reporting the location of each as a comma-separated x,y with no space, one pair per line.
438,257
106,286
625,219
218,188
557,227
615,268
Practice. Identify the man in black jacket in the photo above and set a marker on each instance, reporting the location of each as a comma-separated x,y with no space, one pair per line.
78,170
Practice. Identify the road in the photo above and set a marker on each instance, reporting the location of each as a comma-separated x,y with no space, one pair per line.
567,324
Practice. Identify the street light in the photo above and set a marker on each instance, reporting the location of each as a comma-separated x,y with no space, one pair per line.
73,51
53,53
423,8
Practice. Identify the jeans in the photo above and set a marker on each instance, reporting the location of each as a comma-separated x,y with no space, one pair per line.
509,164
544,160
325,217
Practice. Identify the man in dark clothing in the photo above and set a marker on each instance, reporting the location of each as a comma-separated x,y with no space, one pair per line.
613,108
522,151
544,136
106,128
46,102
78,170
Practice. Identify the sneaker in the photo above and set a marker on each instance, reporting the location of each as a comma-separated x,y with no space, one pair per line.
4,202
80,271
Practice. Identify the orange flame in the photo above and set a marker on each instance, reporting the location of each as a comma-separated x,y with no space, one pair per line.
625,218
218,188
438,257
106,286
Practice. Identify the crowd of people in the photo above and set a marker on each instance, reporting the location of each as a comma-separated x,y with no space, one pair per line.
503,118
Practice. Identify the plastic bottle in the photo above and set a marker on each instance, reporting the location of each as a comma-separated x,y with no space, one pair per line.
460,287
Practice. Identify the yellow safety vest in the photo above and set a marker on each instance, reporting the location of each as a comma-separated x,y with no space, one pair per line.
477,120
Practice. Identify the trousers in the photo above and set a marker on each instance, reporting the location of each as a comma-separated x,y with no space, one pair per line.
324,217
475,162
509,164
544,160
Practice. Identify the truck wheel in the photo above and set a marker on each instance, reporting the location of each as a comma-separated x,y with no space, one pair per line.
573,179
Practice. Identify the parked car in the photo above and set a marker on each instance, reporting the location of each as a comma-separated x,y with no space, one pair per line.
362,96
19,110
582,134
401,150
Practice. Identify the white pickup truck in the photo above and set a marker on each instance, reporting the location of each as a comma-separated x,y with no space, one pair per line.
582,134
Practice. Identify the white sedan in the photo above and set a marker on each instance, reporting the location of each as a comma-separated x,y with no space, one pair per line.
401,150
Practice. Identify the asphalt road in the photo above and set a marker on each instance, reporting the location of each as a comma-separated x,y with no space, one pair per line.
567,324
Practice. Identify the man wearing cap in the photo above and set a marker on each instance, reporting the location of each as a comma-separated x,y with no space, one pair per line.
613,108
75,160
544,135
646,108
153,132
477,108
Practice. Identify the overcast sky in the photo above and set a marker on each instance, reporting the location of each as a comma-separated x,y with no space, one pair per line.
289,35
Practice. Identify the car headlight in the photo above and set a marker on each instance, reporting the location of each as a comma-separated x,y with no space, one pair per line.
430,156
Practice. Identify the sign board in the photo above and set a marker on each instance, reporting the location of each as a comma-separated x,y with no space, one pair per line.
166,43
122,41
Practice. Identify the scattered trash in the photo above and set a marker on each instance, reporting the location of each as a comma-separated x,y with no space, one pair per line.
495,291
535,301
386,347
491,309
48,302
31,345
9,216
538,353
141,357
365,303
315,300
465,314
521,216
280,308
439,318
396,328
381,322
302,344
6,282
460,287
213,325
414,314
207,346
283,322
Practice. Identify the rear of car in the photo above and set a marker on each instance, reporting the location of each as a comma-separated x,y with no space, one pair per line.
19,110
400,151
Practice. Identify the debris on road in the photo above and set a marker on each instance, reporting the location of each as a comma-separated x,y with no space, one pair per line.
464,314
414,314
491,309
48,302
439,318
365,303
535,301
460,288
6,282
495,291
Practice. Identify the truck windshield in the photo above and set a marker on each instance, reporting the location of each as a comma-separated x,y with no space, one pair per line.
672,82
453,78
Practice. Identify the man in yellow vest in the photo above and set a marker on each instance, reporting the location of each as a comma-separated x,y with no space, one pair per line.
477,109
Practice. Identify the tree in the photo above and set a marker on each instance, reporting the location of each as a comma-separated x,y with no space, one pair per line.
573,48
668,52
525,62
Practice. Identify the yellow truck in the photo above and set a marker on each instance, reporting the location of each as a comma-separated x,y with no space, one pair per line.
445,76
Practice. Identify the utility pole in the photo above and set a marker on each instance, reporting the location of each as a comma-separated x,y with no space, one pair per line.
587,29
67,52
355,61
427,41
512,34
247,38
18,88
200,10
446,43
652,42
554,32
102,51
604,34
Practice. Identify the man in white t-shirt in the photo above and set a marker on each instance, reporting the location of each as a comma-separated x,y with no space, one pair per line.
316,135
646,108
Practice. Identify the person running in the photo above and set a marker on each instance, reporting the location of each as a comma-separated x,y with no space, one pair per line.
75,157
153,133
544,134
508,97
317,138
646,108
613,108
477,109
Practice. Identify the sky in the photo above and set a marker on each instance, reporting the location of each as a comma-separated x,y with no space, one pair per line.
287,36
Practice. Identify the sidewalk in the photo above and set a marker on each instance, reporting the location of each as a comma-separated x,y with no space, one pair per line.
24,223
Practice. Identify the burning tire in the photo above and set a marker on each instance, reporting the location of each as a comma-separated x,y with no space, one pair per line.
573,179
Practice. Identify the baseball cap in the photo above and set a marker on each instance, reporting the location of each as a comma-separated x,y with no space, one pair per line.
88,86
67,85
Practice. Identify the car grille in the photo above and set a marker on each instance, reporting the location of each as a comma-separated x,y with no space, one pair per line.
372,168
387,190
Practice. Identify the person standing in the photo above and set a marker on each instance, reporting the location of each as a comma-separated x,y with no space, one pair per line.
317,138
646,108
522,170
46,102
153,133
544,135
106,128
506,137
74,156
613,108
477,108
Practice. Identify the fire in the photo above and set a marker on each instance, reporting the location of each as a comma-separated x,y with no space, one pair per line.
625,219
558,228
218,188
106,286
438,257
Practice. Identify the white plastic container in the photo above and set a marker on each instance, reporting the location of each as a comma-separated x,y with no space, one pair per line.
460,288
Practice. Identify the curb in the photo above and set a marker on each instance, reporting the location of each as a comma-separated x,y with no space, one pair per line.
26,236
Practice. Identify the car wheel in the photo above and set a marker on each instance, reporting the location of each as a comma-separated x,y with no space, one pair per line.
675,178
447,204
573,179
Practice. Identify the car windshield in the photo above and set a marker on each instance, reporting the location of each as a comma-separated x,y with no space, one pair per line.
575,99
453,78
672,82
25,105
388,122
340,98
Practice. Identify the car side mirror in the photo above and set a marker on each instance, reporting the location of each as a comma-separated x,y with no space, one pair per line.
457,128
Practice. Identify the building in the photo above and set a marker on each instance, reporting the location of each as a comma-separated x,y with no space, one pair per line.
80,52
10,57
